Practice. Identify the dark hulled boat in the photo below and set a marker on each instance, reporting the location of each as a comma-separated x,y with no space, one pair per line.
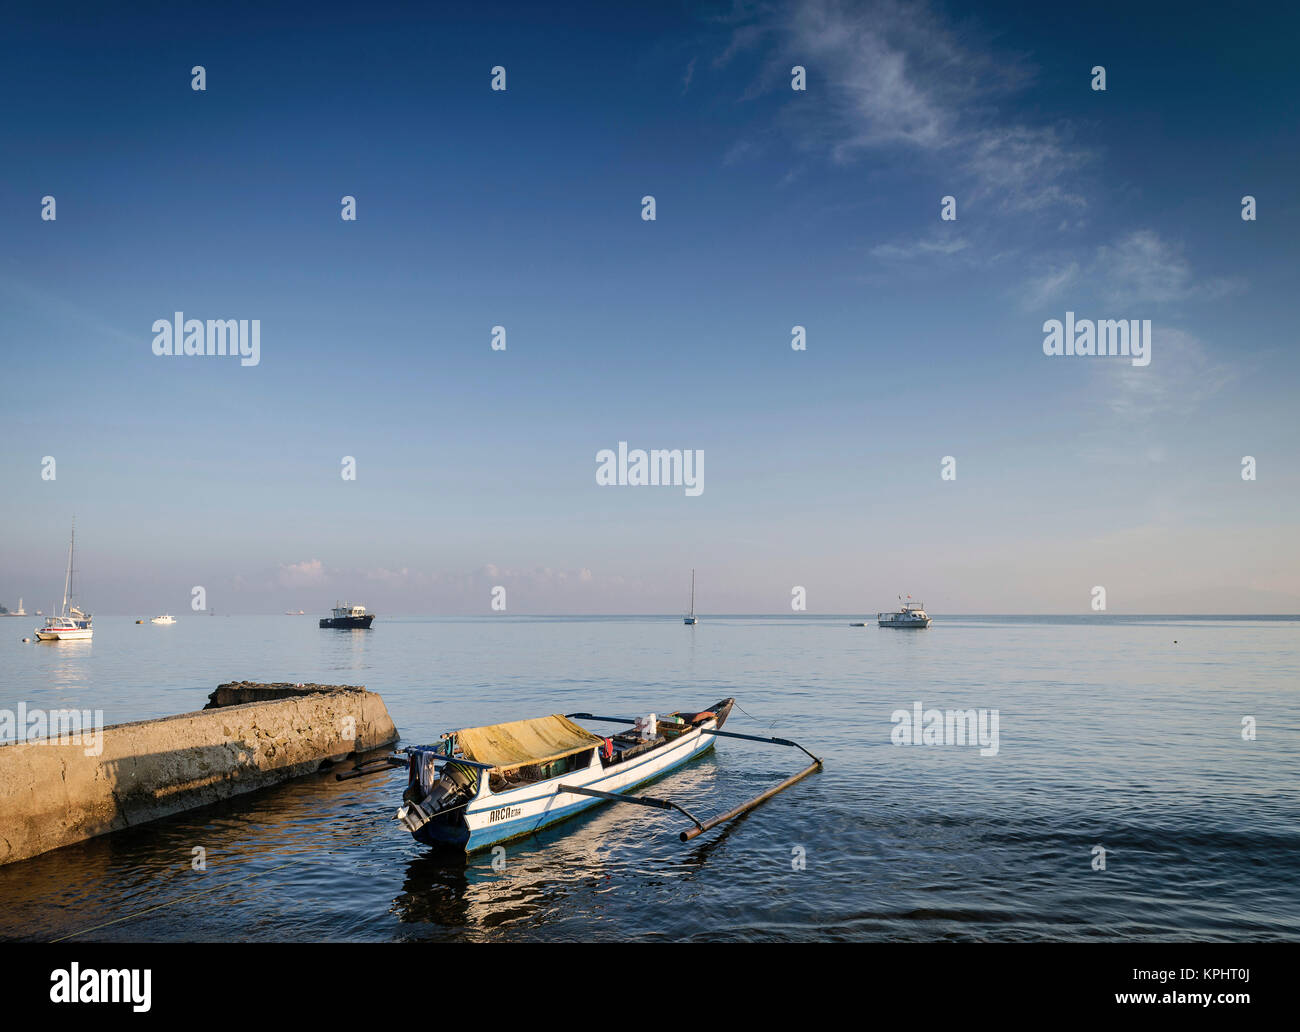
348,617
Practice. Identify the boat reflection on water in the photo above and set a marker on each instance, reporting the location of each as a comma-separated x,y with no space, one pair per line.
449,892
545,877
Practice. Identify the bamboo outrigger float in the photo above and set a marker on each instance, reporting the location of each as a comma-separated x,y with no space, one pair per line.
484,785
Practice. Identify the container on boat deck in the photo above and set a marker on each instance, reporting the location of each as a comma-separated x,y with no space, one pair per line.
647,727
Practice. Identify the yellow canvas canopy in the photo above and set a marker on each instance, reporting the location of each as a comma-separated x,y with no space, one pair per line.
522,742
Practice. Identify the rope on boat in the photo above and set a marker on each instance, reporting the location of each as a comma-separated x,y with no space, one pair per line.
751,716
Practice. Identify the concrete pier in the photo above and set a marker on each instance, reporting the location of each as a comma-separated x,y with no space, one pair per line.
54,792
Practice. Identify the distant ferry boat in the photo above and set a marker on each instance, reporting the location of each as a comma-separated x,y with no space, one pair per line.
349,616
165,618
71,624
294,612
912,615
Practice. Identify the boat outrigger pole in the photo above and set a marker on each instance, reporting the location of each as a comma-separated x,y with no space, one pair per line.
712,822
662,804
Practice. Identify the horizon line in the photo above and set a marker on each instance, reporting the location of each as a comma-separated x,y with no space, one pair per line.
678,616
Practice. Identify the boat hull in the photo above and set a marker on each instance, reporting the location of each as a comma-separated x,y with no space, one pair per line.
910,625
500,816
348,623
72,634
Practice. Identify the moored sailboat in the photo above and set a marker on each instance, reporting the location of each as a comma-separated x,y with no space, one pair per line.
71,624
689,619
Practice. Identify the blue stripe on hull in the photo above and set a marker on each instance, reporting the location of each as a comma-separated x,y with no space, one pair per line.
484,837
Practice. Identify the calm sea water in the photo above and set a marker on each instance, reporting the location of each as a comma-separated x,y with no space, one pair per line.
1110,734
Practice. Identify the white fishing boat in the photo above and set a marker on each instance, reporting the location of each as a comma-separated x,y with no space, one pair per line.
165,618
483,785
911,617
689,619
71,624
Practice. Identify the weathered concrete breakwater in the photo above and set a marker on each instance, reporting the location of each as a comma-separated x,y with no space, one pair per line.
54,792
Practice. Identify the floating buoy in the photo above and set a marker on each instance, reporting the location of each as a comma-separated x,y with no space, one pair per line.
25,640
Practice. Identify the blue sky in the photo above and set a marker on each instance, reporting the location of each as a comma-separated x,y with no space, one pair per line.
774,208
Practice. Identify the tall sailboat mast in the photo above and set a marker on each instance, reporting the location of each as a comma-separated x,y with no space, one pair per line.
67,580
692,594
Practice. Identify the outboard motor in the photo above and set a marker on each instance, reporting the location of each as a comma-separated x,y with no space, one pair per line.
455,780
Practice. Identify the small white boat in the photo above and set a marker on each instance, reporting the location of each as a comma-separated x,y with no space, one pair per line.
911,617
165,618
689,619
71,624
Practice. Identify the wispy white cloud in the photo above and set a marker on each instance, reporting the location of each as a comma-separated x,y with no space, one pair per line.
1044,289
401,577
1183,374
306,574
690,74
934,245
1140,268
894,76
1028,169
1137,407
1144,268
